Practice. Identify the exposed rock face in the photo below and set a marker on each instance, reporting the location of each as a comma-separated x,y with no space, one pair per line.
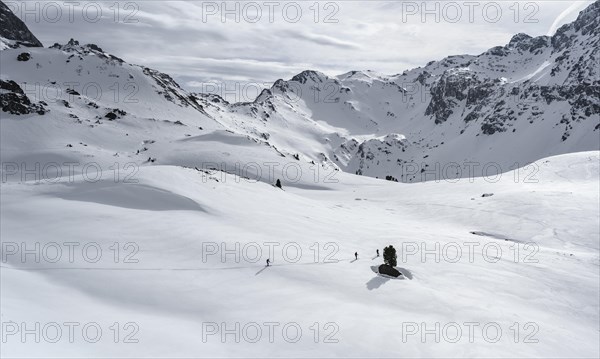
525,43
587,23
13,29
546,85
14,101
449,92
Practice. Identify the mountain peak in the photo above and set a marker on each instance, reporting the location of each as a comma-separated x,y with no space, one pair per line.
306,75
73,46
520,37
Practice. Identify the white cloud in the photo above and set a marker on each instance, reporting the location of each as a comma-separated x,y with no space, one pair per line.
190,41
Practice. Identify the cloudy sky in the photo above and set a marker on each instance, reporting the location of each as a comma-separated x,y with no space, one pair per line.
206,42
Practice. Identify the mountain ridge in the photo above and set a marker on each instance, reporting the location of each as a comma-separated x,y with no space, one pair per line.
14,32
464,108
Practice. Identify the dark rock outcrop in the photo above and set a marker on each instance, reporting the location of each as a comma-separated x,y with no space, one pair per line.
387,270
14,101
448,92
25,56
12,28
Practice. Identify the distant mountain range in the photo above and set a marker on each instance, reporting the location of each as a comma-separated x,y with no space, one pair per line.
509,106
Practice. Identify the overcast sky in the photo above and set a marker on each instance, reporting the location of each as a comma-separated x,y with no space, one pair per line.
200,42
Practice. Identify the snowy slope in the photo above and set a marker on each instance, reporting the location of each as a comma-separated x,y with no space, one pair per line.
532,98
98,154
507,107
75,103
540,270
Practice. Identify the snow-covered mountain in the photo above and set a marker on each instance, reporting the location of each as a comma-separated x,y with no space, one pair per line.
13,32
512,105
531,98
122,209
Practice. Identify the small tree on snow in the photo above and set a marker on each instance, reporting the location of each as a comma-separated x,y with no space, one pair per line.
389,256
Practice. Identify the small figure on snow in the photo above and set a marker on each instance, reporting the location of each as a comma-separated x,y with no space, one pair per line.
278,183
378,253
356,255
268,262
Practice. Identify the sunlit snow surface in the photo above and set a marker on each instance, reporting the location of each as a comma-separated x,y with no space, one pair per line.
537,281
155,256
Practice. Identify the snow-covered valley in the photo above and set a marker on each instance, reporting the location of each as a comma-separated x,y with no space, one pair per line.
533,264
137,217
